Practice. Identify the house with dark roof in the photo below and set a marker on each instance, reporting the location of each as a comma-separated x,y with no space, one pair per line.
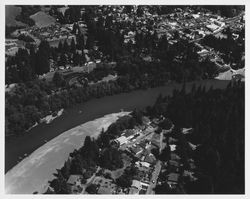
74,180
143,144
133,191
104,190
172,140
128,133
173,163
174,156
156,143
150,159
173,178
142,191
136,149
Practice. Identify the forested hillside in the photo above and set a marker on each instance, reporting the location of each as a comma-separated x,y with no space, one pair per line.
218,119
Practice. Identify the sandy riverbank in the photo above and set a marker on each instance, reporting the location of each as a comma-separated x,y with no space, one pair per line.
33,172
84,112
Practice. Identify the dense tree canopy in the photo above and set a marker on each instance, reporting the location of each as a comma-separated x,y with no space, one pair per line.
217,117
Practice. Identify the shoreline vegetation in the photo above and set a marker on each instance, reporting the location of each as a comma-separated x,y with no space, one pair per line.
103,106
47,120
32,173
163,63
169,61
213,152
203,143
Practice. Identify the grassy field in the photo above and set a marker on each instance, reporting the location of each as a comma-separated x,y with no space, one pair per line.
11,12
42,19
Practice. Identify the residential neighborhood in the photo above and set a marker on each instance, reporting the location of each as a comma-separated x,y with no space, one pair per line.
124,99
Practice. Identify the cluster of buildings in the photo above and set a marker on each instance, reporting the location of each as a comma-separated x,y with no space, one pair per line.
189,25
12,46
53,33
46,28
136,146
214,56
173,171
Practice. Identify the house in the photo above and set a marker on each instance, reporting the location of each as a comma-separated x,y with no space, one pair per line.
121,140
203,52
150,159
189,174
11,47
193,146
191,164
139,185
173,163
145,120
156,121
74,180
134,190
89,66
136,150
172,140
104,190
156,143
195,16
174,156
142,191
187,130
136,184
238,77
143,144
212,27
173,178
143,164
147,58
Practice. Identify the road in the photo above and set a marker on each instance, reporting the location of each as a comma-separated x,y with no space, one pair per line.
158,166
154,178
89,181
162,144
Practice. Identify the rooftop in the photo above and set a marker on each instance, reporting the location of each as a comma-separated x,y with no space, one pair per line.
122,140
173,163
173,177
74,179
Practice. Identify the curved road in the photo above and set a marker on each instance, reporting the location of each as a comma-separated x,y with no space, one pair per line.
26,144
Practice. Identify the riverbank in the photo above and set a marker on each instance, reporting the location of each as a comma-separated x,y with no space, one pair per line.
88,111
49,118
33,173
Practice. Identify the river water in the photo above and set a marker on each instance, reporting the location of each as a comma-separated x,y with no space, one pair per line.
81,113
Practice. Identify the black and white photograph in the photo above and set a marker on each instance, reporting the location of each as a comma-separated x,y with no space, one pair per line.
136,99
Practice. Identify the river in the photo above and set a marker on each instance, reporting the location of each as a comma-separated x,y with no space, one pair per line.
81,113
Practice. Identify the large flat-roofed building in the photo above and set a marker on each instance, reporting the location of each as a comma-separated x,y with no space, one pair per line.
121,140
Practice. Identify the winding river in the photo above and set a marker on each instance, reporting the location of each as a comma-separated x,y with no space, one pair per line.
81,113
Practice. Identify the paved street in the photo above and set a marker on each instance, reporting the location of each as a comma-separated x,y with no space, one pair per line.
89,181
154,178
